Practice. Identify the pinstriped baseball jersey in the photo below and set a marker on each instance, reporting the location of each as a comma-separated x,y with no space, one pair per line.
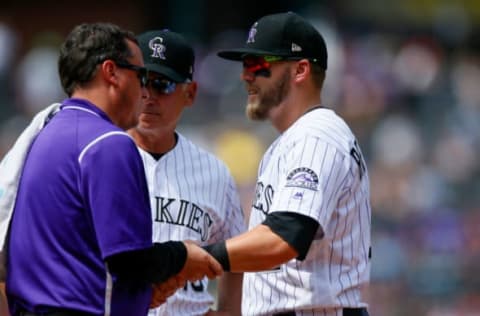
314,168
193,196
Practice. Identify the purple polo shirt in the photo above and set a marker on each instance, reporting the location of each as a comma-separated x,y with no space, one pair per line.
82,197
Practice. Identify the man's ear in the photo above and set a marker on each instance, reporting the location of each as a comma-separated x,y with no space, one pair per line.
191,93
302,70
108,71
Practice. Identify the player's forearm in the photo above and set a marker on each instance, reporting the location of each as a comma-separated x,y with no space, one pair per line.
258,249
282,236
147,266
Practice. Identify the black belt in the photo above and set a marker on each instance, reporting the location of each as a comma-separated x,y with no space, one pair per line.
346,312
355,312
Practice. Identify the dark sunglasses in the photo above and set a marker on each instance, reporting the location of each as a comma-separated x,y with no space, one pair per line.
162,85
260,65
142,72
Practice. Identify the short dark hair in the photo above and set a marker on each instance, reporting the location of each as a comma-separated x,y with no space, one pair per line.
318,75
85,47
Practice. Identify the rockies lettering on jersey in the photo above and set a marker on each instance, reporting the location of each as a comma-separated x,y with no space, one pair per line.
188,214
314,168
263,197
192,197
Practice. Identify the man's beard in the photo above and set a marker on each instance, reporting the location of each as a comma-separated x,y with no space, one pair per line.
258,109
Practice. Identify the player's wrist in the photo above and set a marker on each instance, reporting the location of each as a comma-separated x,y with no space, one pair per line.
220,253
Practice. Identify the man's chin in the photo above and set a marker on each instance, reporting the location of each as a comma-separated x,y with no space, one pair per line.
256,112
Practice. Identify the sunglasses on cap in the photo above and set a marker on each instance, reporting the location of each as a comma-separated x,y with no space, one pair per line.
142,72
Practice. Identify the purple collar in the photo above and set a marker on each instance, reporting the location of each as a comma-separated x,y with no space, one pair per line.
84,105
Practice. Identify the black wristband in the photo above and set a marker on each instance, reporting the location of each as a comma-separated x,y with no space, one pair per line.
219,252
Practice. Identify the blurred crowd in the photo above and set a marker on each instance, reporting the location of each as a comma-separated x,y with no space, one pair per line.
411,93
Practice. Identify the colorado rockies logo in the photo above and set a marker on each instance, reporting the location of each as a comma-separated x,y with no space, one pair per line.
252,33
302,178
158,49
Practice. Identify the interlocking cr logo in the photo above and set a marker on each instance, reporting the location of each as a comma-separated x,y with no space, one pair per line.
158,49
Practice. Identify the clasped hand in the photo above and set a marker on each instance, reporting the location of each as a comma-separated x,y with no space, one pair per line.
198,265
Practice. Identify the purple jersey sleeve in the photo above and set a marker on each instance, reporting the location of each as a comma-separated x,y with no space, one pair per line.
112,178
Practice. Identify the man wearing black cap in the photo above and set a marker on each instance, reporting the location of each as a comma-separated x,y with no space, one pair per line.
192,193
308,248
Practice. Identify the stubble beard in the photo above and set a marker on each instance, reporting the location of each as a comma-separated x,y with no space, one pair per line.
259,108
134,118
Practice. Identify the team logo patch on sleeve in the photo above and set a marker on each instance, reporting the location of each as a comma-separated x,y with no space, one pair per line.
302,178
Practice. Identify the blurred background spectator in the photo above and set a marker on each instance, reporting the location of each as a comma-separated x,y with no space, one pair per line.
404,74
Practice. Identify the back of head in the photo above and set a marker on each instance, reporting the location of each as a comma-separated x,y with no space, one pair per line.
88,45
167,53
285,35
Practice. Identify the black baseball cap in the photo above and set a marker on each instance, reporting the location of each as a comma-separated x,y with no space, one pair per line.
284,35
167,53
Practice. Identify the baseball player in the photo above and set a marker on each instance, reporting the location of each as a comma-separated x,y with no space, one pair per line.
192,194
308,248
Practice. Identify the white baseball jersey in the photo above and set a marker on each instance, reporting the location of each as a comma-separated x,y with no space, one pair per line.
193,196
314,168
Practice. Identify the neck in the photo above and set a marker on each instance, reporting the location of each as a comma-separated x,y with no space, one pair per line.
291,109
100,97
153,141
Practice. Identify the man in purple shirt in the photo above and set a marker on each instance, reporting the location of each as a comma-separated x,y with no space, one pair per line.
80,237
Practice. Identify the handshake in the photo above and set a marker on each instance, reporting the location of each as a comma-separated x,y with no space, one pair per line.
199,263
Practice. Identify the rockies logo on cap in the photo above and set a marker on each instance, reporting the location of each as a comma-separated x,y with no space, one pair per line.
158,49
286,35
252,33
